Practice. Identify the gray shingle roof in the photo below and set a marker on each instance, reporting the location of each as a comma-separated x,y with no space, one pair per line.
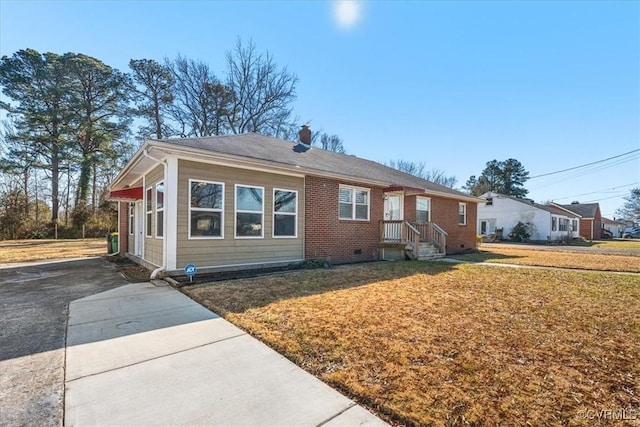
585,210
291,154
530,202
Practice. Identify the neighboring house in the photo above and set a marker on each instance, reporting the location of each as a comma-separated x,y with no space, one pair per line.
249,201
616,228
590,218
542,221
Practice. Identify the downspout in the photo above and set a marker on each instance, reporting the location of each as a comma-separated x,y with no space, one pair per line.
163,267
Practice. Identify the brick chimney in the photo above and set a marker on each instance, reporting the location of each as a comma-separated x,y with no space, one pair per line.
305,135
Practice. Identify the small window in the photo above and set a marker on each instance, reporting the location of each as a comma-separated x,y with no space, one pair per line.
160,209
353,203
423,210
462,213
489,201
132,216
149,216
285,213
554,223
206,207
249,211
574,225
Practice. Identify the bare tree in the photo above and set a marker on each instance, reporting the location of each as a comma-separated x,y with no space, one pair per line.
201,102
419,169
328,142
262,93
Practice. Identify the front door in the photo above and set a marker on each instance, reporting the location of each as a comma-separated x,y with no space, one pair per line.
393,211
137,233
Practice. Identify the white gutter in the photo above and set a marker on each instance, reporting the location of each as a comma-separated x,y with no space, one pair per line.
163,267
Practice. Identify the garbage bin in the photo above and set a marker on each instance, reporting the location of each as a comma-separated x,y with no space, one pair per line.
114,243
109,246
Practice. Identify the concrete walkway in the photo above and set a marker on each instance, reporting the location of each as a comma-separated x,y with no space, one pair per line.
145,354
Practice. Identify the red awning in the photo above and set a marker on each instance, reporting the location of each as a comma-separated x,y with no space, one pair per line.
127,194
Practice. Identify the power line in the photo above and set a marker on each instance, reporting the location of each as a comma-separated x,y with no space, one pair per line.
586,164
600,191
591,169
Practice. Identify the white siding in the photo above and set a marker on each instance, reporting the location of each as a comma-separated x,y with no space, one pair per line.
507,213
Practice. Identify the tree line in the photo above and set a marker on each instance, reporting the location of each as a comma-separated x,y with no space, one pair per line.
73,122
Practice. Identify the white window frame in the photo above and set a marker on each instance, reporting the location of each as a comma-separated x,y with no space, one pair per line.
554,223
462,210
157,210
294,214
148,202
236,212
428,199
353,190
191,209
132,218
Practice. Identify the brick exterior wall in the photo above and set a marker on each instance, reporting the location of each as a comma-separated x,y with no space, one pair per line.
444,212
326,236
123,227
461,238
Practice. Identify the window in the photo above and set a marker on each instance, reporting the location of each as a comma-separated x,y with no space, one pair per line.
563,224
285,213
132,216
160,209
206,207
423,210
554,223
462,213
354,203
489,201
249,211
574,225
149,202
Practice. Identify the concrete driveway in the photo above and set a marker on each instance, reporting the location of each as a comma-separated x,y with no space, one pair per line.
34,299
145,354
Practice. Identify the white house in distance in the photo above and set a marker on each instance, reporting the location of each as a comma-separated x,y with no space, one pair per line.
616,228
544,222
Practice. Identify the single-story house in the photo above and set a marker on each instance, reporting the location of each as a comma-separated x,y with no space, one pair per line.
616,228
236,202
590,218
543,222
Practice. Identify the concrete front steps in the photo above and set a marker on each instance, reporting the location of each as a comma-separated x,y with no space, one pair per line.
428,251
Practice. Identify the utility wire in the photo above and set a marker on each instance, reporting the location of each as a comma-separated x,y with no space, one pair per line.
600,191
590,170
586,164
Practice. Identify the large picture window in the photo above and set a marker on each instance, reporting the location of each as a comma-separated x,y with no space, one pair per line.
423,210
354,203
160,209
249,211
206,209
462,213
285,213
149,215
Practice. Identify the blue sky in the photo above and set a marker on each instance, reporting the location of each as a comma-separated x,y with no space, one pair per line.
453,84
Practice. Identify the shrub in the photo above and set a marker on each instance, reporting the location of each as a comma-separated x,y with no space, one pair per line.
520,233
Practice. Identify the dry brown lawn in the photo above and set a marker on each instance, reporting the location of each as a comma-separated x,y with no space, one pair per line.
632,244
35,250
556,258
427,343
